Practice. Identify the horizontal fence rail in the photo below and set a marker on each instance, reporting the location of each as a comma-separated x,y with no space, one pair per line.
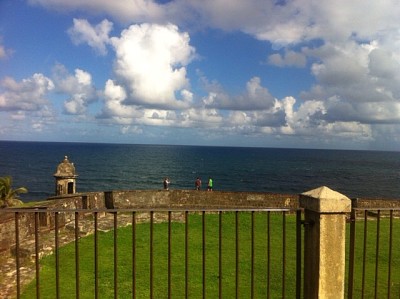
158,253
373,253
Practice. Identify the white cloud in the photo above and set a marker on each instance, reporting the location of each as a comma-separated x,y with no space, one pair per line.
28,95
78,87
352,47
289,58
3,52
150,62
114,107
122,10
97,37
256,97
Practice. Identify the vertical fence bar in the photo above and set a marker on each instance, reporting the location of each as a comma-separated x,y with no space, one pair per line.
252,257
133,255
151,254
115,254
377,252
204,251
77,276
96,258
237,253
390,254
364,254
169,254
350,286
220,254
298,254
37,266
268,254
17,261
283,254
186,255
57,256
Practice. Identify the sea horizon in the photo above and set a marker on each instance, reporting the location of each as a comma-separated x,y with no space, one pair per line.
121,166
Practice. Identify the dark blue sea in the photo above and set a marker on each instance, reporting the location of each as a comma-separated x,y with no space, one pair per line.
372,174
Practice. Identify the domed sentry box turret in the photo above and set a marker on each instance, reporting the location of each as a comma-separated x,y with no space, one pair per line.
65,178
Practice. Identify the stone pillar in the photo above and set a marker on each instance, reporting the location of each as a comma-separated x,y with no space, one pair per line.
324,242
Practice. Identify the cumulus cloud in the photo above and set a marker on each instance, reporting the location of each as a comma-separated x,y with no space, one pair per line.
123,10
256,97
151,62
350,46
78,87
28,95
114,107
95,36
289,58
3,52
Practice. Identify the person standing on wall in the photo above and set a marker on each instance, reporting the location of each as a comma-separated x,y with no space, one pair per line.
197,184
210,184
166,184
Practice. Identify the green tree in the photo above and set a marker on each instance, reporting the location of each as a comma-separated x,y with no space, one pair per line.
8,195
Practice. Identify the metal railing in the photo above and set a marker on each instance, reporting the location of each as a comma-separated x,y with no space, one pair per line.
179,253
192,253
373,253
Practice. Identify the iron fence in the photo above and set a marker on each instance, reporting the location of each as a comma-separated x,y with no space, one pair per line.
373,253
161,253
190,253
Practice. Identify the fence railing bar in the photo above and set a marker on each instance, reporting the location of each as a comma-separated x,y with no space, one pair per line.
298,254
283,254
96,257
151,254
133,255
37,265
186,255
169,254
57,254
268,254
377,252
203,220
77,274
350,286
165,210
390,255
220,254
364,254
237,253
252,257
115,255
17,260
378,208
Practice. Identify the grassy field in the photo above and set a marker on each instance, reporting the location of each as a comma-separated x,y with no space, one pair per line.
195,254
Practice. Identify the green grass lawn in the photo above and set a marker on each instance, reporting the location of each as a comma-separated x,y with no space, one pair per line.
195,266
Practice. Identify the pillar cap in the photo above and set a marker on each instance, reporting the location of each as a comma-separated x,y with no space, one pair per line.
325,200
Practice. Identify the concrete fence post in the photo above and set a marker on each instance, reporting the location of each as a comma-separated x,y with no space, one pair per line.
324,242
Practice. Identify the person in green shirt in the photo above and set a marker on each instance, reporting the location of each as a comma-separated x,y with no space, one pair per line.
210,184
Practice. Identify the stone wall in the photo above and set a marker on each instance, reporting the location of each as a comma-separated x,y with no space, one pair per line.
151,199
198,199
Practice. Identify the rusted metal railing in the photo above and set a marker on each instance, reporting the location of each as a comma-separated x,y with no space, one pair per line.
244,234
376,246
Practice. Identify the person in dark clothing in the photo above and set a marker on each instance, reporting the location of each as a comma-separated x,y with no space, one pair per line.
197,184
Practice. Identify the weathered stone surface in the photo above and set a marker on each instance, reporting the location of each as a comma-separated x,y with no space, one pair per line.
325,200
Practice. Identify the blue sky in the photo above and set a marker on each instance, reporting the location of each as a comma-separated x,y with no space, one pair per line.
304,74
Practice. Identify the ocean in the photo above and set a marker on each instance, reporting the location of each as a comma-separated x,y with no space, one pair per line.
101,167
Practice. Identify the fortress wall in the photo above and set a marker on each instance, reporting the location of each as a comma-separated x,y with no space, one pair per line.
151,199
198,199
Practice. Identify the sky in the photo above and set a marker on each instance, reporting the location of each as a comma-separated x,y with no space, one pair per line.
292,74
